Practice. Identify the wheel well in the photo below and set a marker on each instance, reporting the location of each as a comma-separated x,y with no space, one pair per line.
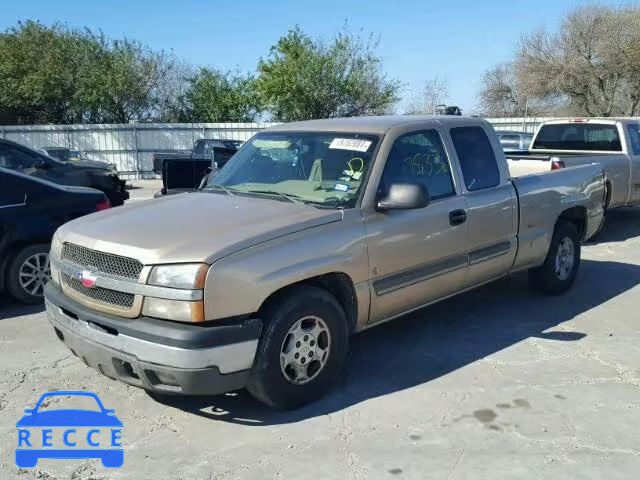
578,217
607,194
338,284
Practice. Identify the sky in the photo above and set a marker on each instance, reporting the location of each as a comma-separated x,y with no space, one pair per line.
455,40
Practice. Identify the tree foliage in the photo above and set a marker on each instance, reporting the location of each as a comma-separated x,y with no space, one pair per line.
55,74
500,95
58,75
216,96
592,62
303,78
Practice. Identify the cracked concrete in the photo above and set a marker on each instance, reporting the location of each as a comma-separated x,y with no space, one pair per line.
499,383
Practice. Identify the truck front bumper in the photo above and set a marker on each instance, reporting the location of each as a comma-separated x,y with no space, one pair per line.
153,354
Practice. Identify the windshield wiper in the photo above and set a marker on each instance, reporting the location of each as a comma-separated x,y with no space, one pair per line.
226,190
291,198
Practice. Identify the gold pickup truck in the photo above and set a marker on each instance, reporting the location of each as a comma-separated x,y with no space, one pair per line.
312,231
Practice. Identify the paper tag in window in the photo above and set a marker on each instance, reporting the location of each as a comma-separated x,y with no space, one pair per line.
341,187
353,144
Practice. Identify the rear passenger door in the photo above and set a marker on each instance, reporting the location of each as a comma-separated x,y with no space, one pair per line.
491,205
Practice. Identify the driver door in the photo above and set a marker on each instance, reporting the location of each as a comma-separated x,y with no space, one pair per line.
417,256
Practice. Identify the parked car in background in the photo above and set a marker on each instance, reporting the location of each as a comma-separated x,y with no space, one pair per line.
31,209
313,231
19,158
613,143
512,140
68,155
183,172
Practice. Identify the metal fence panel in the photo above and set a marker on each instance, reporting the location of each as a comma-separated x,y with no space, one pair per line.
129,146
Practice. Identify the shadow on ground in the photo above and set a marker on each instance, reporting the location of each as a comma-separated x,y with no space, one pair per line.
11,309
435,341
621,224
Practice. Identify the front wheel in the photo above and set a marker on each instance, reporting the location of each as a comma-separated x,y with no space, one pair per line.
302,349
558,272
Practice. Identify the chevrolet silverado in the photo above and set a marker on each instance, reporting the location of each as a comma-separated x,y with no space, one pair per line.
313,231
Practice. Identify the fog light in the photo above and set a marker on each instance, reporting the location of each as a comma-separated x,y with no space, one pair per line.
166,378
177,310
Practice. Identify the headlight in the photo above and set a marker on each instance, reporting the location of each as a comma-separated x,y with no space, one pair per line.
177,310
187,275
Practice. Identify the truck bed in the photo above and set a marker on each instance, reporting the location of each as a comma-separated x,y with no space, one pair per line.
543,196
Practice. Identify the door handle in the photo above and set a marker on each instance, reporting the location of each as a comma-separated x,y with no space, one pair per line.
457,217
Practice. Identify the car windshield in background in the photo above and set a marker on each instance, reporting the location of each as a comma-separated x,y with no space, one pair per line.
578,136
311,167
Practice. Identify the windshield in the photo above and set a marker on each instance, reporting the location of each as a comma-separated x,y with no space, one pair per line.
578,136
312,167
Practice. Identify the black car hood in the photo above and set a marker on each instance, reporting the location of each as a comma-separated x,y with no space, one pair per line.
89,164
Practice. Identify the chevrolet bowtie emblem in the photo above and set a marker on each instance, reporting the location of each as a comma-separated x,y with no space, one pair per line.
87,279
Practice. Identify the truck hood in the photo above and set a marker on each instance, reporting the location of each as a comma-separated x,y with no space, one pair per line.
192,227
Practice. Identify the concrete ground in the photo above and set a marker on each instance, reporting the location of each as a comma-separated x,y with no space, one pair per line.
499,383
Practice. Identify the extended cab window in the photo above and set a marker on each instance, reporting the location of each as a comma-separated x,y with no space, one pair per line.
578,136
419,158
476,156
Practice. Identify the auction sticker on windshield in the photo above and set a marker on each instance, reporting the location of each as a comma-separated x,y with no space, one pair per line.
353,144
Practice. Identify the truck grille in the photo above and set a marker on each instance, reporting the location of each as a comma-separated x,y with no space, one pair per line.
102,295
102,262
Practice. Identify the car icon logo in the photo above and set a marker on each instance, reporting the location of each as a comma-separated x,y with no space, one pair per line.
87,278
69,433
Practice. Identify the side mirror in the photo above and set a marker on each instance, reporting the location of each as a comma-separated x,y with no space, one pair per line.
404,196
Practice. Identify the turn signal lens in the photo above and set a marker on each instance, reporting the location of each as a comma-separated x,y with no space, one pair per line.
176,310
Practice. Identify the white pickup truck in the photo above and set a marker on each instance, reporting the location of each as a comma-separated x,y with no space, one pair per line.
614,143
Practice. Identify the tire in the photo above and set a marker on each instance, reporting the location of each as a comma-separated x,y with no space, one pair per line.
28,272
558,272
281,384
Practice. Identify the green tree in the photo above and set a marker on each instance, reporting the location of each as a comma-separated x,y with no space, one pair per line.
39,68
121,83
304,78
216,96
53,74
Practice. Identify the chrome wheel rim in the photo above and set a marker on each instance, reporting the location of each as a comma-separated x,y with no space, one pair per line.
565,258
34,273
305,350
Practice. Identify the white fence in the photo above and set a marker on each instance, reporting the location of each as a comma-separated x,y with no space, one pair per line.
130,146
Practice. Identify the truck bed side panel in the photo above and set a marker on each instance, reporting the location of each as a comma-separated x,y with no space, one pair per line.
544,196
616,168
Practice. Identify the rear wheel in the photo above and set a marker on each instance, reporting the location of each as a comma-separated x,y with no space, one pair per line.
559,270
28,273
302,349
